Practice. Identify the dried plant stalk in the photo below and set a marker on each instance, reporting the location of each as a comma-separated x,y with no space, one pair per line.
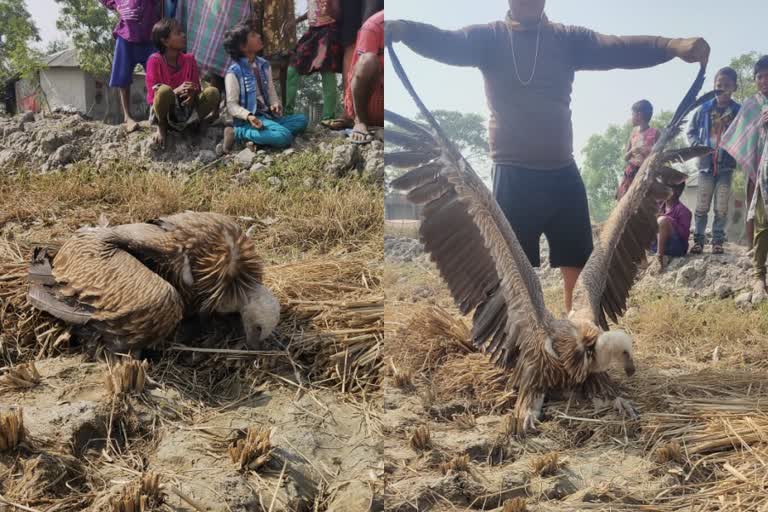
546,465
12,431
251,449
21,376
139,496
515,505
127,377
669,452
458,463
421,440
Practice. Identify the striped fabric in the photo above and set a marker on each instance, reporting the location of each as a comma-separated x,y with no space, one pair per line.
747,141
205,22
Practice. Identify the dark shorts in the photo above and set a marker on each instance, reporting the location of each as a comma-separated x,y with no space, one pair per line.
352,14
550,203
127,55
675,247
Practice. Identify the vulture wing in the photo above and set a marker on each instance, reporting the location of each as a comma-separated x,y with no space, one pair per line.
470,240
106,288
603,287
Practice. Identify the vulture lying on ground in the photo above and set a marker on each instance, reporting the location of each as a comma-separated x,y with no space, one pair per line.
132,284
477,254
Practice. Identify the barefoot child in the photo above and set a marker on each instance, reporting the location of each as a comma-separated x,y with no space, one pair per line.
251,97
173,84
318,51
715,170
641,140
133,46
674,227
747,141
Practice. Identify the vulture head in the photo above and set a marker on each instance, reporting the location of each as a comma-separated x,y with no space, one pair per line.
477,253
260,315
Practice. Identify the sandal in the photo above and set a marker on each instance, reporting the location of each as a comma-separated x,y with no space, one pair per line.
717,249
697,248
367,140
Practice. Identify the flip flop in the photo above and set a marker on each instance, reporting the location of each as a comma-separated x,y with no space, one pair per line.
336,124
367,140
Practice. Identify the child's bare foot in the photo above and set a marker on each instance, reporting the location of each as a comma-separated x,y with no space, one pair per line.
758,291
160,137
130,125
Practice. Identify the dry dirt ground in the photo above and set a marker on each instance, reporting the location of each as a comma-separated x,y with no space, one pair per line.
701,443
203,424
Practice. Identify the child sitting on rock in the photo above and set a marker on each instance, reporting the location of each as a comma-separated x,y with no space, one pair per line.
674,228
252,100
173,84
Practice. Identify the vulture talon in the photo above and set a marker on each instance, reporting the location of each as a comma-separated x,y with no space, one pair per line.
626,408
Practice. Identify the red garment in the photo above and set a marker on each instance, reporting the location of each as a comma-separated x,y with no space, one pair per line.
637,139
160,73
370,39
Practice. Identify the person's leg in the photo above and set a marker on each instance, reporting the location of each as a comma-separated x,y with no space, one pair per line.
703,200
761,248
294,80
271,134
330,94
208,103
364,79
722,193
665,232
121,78
750,228
295,123
162,105
569,231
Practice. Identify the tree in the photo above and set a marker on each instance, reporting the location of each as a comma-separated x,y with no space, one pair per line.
467,131
17,33
89,25
604,164
745,68
56,46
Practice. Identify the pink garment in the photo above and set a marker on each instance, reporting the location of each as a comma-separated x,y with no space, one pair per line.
160,73
681,218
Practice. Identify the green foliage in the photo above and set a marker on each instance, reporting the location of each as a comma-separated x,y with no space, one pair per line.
56,46
745,67
17,33
466,130
89,25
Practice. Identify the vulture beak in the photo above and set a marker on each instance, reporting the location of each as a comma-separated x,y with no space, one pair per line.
629,365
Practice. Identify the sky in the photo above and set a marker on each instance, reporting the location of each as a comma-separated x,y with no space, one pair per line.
600,98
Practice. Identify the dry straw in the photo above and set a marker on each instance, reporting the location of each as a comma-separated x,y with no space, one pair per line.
20,377
251,449
12,432
128,376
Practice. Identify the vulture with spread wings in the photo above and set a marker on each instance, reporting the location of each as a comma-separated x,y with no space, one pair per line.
477,254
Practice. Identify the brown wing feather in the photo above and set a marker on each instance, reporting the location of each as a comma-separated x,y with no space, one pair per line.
471,242
121,296
603,286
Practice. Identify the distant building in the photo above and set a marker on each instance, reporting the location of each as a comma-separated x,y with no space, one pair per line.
62,83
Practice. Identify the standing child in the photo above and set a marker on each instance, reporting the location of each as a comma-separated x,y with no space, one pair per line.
747,141
133,45
251,97
640,143
674,227
716,169
173,84
318,50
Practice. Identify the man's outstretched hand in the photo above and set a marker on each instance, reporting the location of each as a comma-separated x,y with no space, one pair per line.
692,49
394,31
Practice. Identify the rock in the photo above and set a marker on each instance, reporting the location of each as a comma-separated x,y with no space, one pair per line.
757,298
309,182
345,158
245,157
745,263
219,149
50,143
723,290
206,156
28,117
744,299
553,488
374,167
274,181
62,156
258,167
8,156
687,275
289,151
261,152
267,160
355,495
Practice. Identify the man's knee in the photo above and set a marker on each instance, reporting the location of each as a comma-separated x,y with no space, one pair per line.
367,66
